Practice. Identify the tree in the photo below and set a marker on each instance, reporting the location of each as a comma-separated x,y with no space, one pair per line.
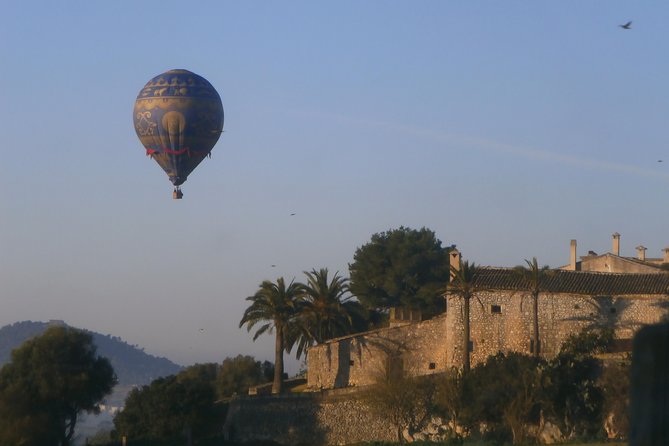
450,398
328,308
400,267
278,306
615,384
574,398
328,311
463,286
588,342
172,407
534,278
51,380
505,392
207,372
237,374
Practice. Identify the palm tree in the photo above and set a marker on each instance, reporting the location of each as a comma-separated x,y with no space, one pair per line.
278,307
328,310
463,286
534,279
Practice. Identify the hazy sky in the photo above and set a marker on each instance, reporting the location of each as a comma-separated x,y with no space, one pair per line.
508,128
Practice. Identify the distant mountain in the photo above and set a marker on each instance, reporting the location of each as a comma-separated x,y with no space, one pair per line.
131,364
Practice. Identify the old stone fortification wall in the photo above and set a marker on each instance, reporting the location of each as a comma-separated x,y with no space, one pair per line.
508,326
417,348
500,321
319,418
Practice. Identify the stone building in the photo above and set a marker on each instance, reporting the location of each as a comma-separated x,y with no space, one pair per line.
613,262
599,290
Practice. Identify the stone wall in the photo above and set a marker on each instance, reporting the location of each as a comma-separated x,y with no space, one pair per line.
501,321
417,348
318,418
332,417
509,326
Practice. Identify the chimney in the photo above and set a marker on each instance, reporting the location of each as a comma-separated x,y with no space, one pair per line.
616,244
641,252
454,256
572,256
666,255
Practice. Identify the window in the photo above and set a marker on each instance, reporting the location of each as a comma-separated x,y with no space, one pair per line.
351,362
433,366
471,346
496,309
612,310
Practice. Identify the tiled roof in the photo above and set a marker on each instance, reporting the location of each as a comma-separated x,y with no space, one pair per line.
578,282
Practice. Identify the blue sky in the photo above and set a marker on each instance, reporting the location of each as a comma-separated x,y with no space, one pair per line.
508,128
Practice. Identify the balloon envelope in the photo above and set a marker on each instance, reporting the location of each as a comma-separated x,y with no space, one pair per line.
178,117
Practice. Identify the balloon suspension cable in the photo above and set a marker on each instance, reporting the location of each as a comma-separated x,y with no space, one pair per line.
177,194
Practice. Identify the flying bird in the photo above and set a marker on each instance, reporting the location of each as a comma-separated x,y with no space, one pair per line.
627,25
659,161
273,266
292,214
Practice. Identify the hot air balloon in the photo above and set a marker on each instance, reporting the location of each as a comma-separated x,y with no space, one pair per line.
178,117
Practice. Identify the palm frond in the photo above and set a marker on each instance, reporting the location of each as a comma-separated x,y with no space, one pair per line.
269,327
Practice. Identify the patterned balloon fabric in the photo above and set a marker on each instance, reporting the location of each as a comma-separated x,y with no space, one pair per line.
178,117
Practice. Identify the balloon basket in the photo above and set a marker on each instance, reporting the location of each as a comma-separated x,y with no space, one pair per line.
177,194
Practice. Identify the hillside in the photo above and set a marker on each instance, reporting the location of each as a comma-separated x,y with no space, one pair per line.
131,364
